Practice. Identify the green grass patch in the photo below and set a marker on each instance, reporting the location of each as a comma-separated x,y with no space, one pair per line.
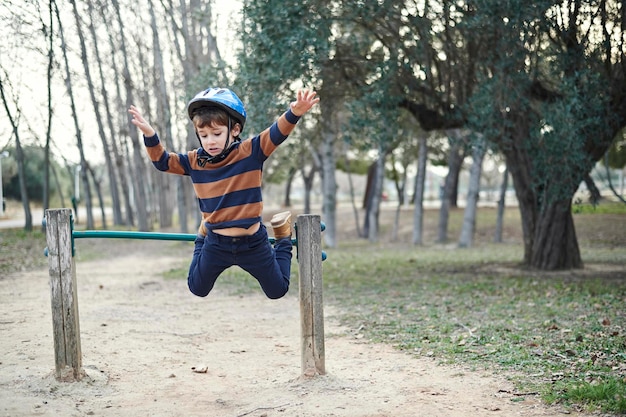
478,308
21,250
608,394
606,207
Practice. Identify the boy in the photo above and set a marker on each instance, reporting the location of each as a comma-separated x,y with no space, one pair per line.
226,173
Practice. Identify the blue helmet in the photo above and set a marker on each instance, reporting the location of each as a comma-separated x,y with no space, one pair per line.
222,98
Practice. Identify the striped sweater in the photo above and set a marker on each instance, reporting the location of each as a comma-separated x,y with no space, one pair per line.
229,191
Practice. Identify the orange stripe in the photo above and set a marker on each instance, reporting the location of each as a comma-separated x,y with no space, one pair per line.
240,182
267,146
156,152
174,166
239,212
284,126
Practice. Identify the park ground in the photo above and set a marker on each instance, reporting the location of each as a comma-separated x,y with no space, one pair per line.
150,348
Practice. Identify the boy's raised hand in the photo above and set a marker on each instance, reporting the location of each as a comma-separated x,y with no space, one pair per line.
140,122
304,101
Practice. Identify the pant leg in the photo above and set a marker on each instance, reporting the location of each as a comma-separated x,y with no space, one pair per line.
207,263
271,266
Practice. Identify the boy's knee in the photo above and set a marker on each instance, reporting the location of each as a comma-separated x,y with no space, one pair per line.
276,296
200,292
276,293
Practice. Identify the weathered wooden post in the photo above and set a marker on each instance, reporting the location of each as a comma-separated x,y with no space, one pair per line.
65,326
309,243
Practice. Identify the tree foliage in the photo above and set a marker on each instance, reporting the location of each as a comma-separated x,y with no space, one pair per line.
33,171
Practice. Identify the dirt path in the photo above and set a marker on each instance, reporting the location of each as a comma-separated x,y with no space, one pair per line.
142,335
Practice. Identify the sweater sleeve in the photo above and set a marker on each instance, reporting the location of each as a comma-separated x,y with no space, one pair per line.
276,134
163,160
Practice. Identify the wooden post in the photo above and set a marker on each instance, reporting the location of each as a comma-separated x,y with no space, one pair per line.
311,307
68,357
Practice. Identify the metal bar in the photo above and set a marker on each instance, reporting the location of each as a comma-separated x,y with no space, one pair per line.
126,234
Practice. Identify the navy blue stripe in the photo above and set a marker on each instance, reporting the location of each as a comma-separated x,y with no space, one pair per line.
276,135
151,141
291,118
236,198
227,171
162,163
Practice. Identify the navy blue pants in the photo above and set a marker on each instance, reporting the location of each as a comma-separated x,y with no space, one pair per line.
271,266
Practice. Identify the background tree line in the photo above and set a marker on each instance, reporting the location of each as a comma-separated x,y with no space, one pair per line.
539,84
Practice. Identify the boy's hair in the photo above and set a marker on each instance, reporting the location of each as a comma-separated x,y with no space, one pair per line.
209,116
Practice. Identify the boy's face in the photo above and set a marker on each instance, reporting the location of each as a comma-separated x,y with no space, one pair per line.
214,137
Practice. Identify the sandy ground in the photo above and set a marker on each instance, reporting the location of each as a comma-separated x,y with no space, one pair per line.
143,339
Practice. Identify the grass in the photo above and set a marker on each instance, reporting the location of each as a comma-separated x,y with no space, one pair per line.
552,333
21,250
561,335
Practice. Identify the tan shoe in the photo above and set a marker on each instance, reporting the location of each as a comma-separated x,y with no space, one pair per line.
281,223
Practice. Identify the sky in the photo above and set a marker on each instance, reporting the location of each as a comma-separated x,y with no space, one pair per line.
27,79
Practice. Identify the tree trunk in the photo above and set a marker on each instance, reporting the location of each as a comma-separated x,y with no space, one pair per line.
550,241
118,142
400,182
608,176
181,196
111,155
288,184
455,162
46,175
594,193
420,181
19,157
138,151
555,242
355,210
374,212
97,186
79,138
368,197
329,181
94,102
469,216
165,118
497,238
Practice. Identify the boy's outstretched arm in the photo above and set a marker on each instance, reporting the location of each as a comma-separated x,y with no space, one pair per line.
140,122
305,100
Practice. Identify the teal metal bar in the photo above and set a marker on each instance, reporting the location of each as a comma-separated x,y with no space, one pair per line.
126,234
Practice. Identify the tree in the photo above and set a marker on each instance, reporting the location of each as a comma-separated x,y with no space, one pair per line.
99,118
420,179
19,153
271,69
138,154
79,136
543,81
49,29
109,144
469,217
553,106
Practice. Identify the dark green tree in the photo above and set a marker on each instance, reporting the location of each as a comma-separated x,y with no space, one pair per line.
552,97
34,157
542,80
